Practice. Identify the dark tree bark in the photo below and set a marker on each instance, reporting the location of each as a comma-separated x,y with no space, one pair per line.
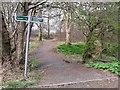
40,33
48,26
21,36
87,55
6,47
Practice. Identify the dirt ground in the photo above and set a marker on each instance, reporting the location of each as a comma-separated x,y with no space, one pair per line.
58,73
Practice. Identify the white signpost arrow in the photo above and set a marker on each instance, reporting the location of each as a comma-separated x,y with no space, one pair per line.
28,19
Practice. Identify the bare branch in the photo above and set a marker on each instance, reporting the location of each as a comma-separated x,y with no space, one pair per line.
16,7
37,5
13,34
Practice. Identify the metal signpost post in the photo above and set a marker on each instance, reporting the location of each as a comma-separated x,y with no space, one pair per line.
28,19
27,47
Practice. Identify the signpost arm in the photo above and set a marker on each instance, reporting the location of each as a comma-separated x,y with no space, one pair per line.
27,47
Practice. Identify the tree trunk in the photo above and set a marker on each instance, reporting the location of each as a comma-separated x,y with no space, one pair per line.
68,30
21,37
48,27
20,42
1,40
102,41
89,50
40,33
6,48
40,26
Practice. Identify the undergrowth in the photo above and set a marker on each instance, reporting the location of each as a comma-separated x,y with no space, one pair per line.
74,49
112,67
34,77
20,84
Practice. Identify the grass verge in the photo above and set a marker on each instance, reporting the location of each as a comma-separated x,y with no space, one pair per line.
21,84
112,67
34,77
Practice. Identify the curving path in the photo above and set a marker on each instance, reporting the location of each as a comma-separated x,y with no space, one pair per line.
58,73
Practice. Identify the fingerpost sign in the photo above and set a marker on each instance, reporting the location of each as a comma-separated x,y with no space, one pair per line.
28,19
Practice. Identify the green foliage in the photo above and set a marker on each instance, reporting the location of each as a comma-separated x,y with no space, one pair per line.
108,58
111,50
74,49
20,84
23,84
34,63
113,66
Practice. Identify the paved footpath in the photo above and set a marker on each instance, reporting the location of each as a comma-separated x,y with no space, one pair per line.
58,73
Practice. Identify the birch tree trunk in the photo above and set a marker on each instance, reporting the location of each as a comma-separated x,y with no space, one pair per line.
68,29
40,27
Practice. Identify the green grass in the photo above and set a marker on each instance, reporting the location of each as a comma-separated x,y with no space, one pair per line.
21,84
74,49
34,63
33,77
112,67
25,83
78,49
110,58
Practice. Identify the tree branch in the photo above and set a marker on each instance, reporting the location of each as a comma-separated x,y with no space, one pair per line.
37,5
13,34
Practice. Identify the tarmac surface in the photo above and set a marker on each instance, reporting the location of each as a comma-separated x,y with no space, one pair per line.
59,74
